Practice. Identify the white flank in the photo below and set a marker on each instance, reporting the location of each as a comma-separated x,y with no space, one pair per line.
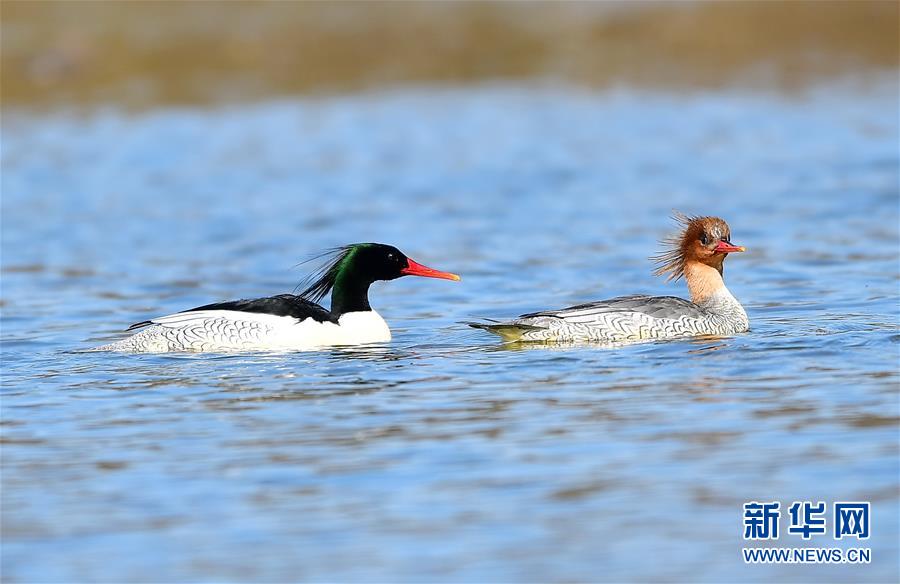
232,330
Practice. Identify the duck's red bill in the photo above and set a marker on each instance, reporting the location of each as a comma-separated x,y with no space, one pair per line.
416,269
723,247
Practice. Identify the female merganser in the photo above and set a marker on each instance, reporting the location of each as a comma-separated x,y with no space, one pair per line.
697,254
288,321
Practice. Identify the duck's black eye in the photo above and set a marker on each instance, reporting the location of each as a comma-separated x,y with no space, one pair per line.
704,239
391,256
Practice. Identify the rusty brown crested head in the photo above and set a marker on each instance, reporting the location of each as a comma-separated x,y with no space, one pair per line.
706,240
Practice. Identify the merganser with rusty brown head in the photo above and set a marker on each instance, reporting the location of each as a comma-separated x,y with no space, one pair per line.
288,322
696,254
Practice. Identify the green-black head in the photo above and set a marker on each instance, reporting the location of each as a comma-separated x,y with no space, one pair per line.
351,269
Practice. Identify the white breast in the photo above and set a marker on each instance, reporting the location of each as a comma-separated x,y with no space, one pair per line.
364,327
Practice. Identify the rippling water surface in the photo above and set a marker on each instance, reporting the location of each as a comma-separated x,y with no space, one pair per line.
444,455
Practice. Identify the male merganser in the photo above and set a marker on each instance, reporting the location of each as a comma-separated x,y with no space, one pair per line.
288,321
697,255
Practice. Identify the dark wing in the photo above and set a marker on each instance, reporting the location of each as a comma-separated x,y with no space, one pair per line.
281,305
655,306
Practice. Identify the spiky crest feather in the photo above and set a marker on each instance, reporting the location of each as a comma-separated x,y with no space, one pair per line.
319,283
671,260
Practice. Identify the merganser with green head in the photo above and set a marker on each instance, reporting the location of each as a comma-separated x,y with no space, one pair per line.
697,254
287,321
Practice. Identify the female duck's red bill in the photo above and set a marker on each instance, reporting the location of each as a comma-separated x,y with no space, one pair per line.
417,269
723,247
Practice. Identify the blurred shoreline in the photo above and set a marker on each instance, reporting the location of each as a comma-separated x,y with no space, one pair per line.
147,54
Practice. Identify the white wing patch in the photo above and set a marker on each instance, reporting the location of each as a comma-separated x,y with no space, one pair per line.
197,317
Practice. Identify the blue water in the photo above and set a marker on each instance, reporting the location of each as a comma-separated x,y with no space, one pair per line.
444,456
